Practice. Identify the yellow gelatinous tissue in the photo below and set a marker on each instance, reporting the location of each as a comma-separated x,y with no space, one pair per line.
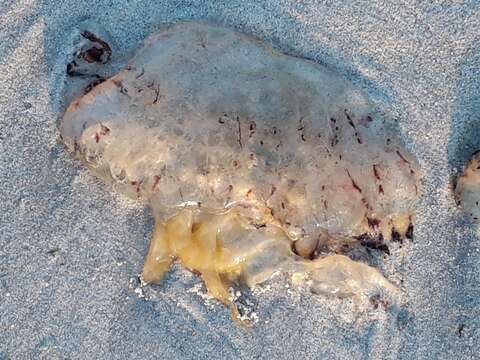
252,162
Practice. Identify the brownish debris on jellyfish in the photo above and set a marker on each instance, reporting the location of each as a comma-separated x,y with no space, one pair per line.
93,50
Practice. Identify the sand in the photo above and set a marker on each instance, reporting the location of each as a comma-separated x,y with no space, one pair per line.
71,249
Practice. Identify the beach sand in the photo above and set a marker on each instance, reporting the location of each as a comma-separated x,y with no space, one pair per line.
71,249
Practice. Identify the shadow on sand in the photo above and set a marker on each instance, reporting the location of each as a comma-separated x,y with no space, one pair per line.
464,141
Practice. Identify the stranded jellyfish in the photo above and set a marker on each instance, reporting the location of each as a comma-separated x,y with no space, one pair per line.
467,189
251,161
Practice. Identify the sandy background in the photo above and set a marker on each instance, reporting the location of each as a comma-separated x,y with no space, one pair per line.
70,249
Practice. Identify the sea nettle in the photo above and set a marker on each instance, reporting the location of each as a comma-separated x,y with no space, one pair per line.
467,189
252,161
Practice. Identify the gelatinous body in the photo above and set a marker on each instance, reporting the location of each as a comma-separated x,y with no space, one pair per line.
467,190
251,160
